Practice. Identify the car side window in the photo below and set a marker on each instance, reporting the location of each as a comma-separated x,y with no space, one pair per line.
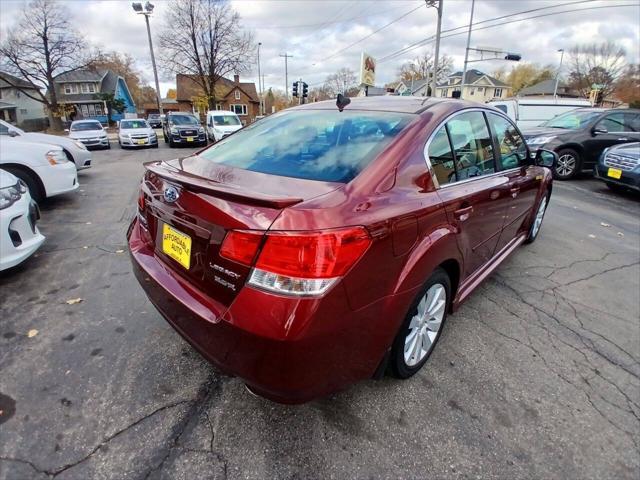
472,145
632,122
441,157
613,122
4,130
513,149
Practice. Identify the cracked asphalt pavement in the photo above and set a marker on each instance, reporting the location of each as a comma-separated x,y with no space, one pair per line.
536,376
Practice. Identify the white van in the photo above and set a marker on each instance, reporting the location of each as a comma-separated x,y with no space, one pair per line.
530,112
221,123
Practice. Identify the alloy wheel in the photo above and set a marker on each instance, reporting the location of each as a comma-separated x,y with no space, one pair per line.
537,222
425,325
566,165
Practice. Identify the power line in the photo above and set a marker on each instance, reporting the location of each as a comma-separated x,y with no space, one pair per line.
371,34
431,38
321,24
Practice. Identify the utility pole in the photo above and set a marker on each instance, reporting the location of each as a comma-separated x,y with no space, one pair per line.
466,51
259,84
286,74
555,89
434,80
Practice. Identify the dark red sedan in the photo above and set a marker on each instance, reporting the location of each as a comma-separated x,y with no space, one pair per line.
320,247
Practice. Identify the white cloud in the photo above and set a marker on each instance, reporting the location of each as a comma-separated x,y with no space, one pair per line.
313,30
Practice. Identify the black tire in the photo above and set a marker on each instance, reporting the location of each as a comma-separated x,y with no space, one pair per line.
397,364
109,146
533,231
155,146
567,157
33,183
171,144
164,135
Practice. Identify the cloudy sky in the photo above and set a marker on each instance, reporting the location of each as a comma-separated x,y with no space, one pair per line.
323,36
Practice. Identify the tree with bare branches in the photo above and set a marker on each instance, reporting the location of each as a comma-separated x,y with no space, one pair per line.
204,39
343,81
600,64
421,67
42,46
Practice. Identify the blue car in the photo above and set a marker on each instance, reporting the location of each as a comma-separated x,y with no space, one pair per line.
619,167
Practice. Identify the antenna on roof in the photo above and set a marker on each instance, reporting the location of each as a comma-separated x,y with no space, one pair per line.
342,102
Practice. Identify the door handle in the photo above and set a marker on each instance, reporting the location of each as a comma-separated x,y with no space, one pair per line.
463,213
514,191
624,139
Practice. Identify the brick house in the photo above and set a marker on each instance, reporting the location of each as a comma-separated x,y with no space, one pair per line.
236,96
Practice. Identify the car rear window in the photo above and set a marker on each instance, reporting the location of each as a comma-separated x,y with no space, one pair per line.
321,145
85,126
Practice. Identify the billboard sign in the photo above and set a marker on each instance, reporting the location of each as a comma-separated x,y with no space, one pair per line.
367,70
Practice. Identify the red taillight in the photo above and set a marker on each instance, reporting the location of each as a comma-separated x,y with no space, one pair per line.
324,254
240,246
319,254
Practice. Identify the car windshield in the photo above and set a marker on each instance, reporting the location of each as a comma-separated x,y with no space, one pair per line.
84,126
321,145
184,120
225,120
127,124
571,120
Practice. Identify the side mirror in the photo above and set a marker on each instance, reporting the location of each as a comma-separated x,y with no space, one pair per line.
13,133
599,129
546,158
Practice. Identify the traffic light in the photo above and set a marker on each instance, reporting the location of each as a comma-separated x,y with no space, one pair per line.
513,57
305,90
294,91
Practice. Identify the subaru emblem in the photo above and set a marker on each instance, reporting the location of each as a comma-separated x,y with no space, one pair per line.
171,194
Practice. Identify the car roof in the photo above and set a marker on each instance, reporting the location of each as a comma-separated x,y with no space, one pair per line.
88,120
133,120
392,103
221,112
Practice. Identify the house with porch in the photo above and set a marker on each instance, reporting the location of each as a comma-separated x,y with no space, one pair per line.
78,91
17,105
233,95
478,87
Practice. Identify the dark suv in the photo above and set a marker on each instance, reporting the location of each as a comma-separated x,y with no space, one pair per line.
183,129
580,136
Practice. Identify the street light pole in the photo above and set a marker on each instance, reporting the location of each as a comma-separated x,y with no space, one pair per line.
466,51
434,80
555,88
259,84
148,10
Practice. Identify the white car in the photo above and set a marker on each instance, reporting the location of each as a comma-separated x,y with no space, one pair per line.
43,167
74,149
90,133
221,123
136,132
19,236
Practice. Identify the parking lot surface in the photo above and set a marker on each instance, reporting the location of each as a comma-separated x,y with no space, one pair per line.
536,376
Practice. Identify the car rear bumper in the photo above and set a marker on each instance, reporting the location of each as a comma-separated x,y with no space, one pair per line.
289,350
629,178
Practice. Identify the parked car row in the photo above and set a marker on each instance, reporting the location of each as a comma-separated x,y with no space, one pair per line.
580,136
30,171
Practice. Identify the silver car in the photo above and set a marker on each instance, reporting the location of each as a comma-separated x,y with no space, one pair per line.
73,149
90,133
136,132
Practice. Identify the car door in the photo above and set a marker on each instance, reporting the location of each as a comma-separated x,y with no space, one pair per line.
612,129
462,159
518,195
